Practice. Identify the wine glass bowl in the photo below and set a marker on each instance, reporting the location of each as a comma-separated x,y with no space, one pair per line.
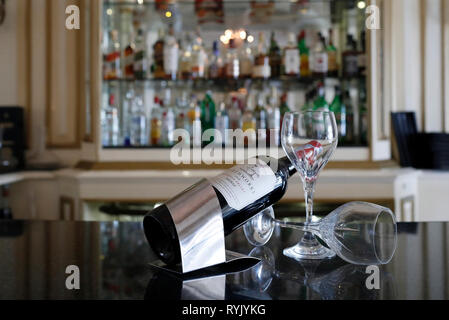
360,232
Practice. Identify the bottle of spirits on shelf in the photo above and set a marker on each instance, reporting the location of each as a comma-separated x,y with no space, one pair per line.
361,60
182,120
185,60
207,111
128,57
350,58
125,113
319,57
261,69
260,113
221,124
139,132
196,126
216,64
232,61
265,183
156,123
273,122
249,127
168,122
158,56
320,103
304,55
140,57
339,109
199,58
291,60
112,57
171,55
332,57
283,108
246,60
350,125
111,123
275,57
235,115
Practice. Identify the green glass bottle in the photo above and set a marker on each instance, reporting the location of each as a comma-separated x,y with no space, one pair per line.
320,103
339,109
208,111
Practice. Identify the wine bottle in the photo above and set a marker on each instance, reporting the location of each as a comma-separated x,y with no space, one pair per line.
262,187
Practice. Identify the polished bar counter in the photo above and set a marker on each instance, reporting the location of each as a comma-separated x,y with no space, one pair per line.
113,259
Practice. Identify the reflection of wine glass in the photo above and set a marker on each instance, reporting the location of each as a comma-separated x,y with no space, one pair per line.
309,138
358,232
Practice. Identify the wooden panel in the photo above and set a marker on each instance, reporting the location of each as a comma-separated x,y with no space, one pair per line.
64,74
24,53
445,35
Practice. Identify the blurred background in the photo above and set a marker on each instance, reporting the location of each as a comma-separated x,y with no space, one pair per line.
88,110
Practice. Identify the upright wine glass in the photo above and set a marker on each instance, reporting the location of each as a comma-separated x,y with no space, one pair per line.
309,138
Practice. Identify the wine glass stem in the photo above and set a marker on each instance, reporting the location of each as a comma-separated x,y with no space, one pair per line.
309,188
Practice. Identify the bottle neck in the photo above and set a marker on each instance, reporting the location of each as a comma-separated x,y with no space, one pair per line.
286,165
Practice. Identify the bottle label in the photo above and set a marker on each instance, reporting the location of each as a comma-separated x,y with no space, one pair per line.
244,184
320,62
292,61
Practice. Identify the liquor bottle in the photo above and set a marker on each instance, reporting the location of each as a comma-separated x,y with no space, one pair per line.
350,125
304,55
261,67
275,59
291,60
235,115
221,124
167,121
320,103
283,108
199,58
194,116
182,120
158,56
265,184
216,64
138,120
207,111
249,127
111,123
260,113
112,57
361,59
339,109
350,58
140,57
185,60
319,58
171,55
274,123
128,57
156,123
232,62
332,57
246,60
125,114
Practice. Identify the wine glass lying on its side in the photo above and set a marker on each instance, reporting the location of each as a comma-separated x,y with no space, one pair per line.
358,232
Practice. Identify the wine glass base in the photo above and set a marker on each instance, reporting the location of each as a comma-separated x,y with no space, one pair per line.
309,249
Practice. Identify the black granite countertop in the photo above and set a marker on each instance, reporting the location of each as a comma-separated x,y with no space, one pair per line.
113,262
